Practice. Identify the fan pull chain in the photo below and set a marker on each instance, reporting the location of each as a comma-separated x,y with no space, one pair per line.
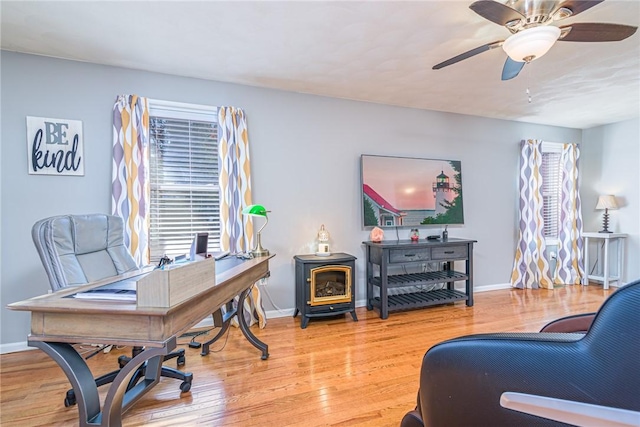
528,83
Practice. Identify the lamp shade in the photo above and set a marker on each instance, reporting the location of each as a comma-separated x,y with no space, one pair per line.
255,210
530,44
607,202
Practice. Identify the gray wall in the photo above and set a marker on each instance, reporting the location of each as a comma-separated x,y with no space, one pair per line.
612,166
305,166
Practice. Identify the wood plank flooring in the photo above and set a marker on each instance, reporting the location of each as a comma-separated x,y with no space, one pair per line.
336,372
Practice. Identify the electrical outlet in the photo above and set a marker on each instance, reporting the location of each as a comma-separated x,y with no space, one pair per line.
553,255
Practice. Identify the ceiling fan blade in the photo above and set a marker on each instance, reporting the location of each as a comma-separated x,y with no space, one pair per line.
596,32
468,54
496,12
578,6
511,68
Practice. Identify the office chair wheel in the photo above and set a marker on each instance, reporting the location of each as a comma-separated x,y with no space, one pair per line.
181,360
185,387
122,361
70,399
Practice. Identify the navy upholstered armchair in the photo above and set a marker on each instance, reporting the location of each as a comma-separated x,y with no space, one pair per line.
590,377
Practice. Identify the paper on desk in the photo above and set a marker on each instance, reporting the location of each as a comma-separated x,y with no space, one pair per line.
122,290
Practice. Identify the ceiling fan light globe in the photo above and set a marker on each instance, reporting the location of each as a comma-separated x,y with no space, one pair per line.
532,43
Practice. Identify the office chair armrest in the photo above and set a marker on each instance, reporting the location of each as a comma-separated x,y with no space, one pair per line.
570,412
579,323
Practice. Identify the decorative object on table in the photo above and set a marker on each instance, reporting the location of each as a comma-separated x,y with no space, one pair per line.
377,234
199,246
323,242
258,210
414,235
606,202
55,146
445,233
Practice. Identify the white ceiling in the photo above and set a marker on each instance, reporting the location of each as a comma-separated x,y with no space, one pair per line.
377,51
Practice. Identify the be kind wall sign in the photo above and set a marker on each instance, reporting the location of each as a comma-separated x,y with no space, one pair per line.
55,146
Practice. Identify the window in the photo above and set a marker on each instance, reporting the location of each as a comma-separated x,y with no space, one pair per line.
183,174
551,186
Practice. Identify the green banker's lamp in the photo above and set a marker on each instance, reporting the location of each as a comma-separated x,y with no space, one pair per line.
258,210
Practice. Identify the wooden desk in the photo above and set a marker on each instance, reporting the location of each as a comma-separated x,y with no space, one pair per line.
58,321
604,274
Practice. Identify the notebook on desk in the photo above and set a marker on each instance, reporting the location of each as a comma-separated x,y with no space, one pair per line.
122,290
215,255
219,255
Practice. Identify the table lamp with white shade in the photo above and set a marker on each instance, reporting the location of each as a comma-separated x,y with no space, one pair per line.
605,203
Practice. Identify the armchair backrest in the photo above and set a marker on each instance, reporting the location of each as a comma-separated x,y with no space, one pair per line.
615,330
78,249
597,368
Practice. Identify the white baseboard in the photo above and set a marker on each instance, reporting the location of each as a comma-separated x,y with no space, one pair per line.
495,287
14,347
207,322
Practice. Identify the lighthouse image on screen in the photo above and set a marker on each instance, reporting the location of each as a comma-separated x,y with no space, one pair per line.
401,191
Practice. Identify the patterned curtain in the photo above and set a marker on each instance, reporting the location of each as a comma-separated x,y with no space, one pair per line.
130,184
236,234
236,230
569,267
530,267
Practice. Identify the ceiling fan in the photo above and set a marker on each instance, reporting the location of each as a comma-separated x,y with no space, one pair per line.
532,34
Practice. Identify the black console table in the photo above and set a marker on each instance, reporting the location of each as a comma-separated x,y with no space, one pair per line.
404,255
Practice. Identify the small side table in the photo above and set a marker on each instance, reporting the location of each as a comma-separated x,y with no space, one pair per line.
603,259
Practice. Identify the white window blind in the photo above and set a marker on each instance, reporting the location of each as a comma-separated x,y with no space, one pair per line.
551,186
183,178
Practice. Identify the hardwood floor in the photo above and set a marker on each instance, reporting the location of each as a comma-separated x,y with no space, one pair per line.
336,372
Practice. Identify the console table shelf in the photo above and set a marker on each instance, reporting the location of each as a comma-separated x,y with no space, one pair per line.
421,299
406,254
426,278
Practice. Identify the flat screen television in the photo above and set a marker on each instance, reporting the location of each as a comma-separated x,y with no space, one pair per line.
410,192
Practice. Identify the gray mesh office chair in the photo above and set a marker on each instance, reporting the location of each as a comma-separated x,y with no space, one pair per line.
78,249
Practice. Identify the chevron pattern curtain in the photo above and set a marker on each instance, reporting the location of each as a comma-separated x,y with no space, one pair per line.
130,183
236,230
530,267
236,234
570,265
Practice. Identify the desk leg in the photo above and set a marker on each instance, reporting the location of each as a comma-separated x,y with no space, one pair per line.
620,260
118,399
585,278
245,329
221,321
606,264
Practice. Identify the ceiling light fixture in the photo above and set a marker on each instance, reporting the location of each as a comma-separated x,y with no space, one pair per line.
530,44
562,13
